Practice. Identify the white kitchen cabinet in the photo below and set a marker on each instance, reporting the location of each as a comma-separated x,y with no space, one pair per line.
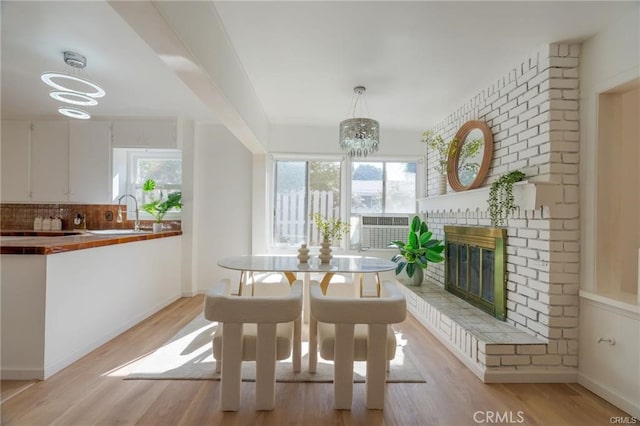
145,134
608,360
89,162
15,161
49,161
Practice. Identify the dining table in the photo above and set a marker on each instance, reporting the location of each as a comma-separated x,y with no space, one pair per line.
290,266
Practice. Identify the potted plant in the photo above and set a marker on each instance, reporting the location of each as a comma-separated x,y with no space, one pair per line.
501,201
158,207
330,229
420,249
442,149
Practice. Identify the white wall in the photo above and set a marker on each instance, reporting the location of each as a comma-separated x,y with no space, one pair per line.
324,140
222,194
609,59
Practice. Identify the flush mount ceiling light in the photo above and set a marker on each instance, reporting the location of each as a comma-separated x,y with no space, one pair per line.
73,89
359,136
73,98
74,113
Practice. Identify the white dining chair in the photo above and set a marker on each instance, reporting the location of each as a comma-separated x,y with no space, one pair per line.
348,329
259,328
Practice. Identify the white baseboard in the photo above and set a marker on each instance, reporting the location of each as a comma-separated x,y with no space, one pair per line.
605,392
53,368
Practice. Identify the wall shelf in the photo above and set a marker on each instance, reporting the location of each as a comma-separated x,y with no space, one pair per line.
528,196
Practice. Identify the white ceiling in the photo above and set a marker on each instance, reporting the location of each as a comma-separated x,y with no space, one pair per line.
419,60
34,37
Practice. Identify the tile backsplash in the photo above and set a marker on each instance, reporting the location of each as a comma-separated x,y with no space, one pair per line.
99,216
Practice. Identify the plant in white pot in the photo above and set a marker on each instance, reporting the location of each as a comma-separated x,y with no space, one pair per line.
420,249
330,229
442,150
159,205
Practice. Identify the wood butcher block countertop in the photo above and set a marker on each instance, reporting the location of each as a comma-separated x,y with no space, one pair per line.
51,242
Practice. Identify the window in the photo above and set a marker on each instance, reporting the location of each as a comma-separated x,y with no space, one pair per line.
301,189
383,187
137,165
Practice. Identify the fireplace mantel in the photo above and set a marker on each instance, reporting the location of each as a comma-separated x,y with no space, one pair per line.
528,196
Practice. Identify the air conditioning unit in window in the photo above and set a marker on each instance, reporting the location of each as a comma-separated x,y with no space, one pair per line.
378,231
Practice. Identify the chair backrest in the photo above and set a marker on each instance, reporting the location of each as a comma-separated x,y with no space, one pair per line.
222,307
389,308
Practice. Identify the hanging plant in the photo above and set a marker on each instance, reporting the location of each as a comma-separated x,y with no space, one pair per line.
501,197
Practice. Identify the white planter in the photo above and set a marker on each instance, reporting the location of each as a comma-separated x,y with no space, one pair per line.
442,184
157,226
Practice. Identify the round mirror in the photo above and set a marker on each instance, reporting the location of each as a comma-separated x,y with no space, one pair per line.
469,163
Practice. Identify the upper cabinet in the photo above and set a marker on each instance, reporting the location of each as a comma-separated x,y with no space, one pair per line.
89,162
15,161
145,134
49,161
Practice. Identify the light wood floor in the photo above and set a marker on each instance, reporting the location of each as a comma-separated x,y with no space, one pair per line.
83,394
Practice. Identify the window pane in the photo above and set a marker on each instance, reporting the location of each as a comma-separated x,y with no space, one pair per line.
290,221
400,194
366,187
303,188
324,193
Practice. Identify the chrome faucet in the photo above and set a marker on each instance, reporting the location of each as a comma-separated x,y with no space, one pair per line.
119,219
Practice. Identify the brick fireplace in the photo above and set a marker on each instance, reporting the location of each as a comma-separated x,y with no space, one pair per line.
533,114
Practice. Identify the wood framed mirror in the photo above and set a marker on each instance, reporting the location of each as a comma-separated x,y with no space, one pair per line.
469,163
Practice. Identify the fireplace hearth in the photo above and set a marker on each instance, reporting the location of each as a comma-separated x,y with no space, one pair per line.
475,267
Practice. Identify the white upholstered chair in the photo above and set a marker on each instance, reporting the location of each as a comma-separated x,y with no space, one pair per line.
348,329
259,328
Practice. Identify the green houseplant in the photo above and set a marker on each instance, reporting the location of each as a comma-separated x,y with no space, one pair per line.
332,228
442,149
501,201
420,249
159,206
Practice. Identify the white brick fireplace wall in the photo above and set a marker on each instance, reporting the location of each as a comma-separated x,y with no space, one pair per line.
533,114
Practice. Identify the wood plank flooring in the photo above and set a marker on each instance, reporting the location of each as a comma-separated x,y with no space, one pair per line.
84,394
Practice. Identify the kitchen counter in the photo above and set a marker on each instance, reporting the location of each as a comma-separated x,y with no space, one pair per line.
51,242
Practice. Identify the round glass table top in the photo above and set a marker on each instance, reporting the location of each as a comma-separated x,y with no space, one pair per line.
289,263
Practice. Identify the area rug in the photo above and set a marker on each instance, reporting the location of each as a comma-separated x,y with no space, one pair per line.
188,356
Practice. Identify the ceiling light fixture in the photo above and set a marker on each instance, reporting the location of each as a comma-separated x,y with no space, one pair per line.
359,136
68,97
74,113
73,89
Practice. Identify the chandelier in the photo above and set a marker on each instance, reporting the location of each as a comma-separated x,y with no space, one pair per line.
359,136
73,89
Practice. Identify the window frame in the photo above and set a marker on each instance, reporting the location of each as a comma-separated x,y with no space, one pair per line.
345,190
133,155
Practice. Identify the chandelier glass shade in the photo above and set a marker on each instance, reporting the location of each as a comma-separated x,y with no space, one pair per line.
359,136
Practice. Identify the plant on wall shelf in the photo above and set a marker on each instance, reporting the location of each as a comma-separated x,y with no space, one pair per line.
501,202
158,207
441,148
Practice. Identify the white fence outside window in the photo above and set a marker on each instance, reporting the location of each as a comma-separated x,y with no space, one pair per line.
293,217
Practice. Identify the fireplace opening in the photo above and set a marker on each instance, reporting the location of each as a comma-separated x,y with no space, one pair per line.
475,267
